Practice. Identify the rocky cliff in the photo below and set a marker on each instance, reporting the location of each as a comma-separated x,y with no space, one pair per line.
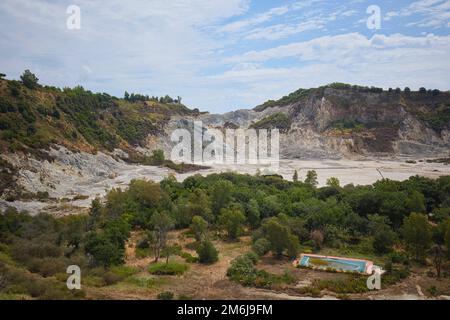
339,120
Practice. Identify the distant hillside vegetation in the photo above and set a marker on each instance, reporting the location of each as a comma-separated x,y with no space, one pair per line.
430,106
32,117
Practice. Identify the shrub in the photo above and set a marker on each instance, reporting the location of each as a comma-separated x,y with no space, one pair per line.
207,253
111,278
166,295
261,247
199,227
124,271
242,271
171,268
254,258
189,258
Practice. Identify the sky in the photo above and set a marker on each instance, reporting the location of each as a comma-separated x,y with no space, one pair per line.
223,55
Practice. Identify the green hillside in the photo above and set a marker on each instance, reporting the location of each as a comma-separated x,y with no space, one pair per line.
33,117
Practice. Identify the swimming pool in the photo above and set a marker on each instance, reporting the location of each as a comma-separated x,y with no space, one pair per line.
334,263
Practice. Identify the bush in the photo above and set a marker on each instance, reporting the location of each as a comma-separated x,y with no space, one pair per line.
207,253
124,271
261,247
242,271
189,258
166,295
254,258
111,278
171,268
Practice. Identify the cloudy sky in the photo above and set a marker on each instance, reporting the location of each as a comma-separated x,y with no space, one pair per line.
222,55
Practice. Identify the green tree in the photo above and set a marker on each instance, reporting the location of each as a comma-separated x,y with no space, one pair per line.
333,182
169,251
295,176
207,253
95,213
232,220
447,237
261,247
416,202
161,223
382,233
438,254
126,96
293,246
220,195
278,236
29,80
199,227
417,235
253,214
103,250
158,157
311,178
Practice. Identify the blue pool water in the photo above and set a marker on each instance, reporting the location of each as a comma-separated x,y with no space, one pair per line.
337,264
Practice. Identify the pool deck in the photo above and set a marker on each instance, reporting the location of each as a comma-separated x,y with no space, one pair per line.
368,269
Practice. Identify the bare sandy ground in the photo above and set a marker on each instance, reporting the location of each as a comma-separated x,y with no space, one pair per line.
347,171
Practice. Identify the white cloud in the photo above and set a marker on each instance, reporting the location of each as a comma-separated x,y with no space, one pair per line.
433,13
382,60
263,17
154,47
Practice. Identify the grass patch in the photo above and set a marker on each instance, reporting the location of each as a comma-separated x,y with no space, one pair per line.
142,253
124,271
171,268
189,258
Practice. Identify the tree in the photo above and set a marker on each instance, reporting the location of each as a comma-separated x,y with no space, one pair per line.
207,253
107,247
317,237
103,250
383,235
221,195
253,214
170,251
126,96
417,235
447,237
333,182
95,214
311,178
199,227
416,202
295,176
278,236
261,247
29,80
293,246
232,220
161,223
438,256
158,157
2,75
384,239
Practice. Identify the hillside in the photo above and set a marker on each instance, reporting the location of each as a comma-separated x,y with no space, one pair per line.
340,120
33,119
66,143
54,140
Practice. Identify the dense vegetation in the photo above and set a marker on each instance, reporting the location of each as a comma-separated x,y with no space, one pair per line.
400,221
33,117
430,106
278,120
